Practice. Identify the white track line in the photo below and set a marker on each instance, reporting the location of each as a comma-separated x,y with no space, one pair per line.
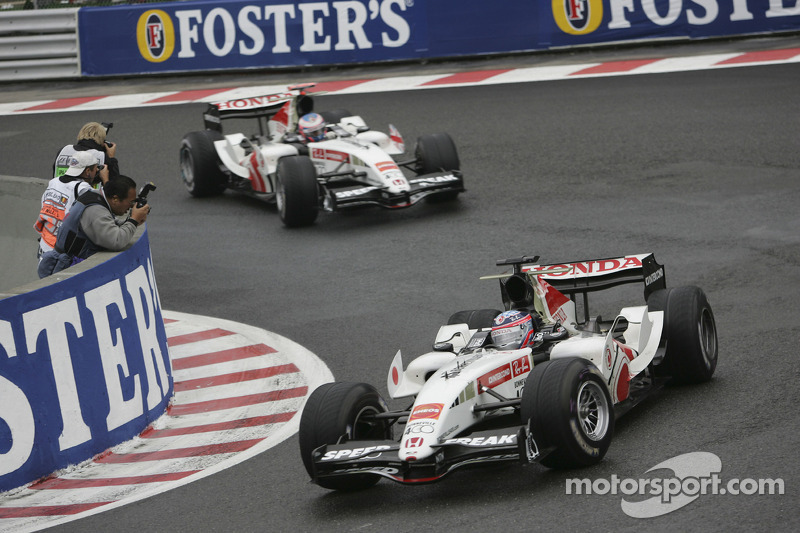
427,81
225,425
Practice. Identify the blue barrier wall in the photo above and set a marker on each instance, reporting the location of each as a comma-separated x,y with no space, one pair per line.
209,35
84,365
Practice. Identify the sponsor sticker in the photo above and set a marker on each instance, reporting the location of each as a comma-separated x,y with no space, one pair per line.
355,453
494,440
426,411
496,377
588,268
386,166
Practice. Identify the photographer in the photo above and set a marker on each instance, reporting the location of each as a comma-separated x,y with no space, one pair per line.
59,196
92,226
92,139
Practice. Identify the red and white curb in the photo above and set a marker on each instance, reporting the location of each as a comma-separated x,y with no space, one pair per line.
405,83
238,392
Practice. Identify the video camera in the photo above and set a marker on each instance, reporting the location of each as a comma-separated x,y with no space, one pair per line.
141,199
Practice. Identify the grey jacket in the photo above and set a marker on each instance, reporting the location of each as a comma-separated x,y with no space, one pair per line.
104,230
89,227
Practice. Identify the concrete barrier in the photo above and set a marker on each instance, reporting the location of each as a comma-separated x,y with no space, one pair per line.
84,362
20,201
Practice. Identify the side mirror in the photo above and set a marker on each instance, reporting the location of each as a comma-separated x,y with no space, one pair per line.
620,325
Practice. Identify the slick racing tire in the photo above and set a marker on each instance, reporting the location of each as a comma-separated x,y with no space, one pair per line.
335,412
297,192
474,319
335,116
436,152
200,166
569,409
690,333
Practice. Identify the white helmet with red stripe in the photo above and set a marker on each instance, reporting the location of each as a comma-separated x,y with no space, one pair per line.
512,330
312,127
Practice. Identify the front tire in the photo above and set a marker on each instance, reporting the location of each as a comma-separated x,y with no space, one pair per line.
297,192
690,332
568,408
200,166
436,152
334,411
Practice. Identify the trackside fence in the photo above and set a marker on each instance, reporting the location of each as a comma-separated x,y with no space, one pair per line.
40,44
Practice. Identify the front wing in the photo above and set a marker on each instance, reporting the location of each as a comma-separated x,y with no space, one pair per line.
421,186
380,457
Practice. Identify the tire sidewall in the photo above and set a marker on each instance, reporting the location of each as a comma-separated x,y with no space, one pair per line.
436,152
329,414
198,148
296,179
550,407
687,358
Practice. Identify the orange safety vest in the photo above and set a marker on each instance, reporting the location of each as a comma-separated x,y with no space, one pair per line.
56,203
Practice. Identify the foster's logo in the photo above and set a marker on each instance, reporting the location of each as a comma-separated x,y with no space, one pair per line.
578,17
155,35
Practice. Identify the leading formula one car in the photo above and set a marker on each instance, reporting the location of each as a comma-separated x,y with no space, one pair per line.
535,383
351,165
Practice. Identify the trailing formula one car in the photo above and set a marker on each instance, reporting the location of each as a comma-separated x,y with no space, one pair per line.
344,164
535,383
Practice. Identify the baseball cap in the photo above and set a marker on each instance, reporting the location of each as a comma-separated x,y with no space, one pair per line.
79,161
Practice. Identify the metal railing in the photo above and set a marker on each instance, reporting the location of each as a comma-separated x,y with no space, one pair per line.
39,44
39,38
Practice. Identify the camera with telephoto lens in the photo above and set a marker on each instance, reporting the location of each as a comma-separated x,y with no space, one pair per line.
107,126
141,200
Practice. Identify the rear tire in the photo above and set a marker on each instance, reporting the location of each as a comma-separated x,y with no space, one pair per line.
436,152
297,192
474,319
568,407
690,332
335,410
200,166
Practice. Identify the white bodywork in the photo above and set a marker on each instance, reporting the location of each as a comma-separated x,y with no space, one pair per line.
444,404
449,385
344,149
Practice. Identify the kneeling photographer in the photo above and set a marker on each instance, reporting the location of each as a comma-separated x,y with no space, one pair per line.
92,224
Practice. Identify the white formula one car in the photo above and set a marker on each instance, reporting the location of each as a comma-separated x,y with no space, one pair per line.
352,165
552,397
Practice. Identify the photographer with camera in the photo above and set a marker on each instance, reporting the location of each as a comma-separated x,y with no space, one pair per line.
91,139
59,196
92,225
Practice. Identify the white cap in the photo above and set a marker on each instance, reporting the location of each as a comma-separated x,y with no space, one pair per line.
79,161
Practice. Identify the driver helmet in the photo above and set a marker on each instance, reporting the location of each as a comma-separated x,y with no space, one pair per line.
312,127
512,330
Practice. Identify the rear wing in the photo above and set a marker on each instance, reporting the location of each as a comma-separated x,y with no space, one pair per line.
265,106
578,277
253,107
599,274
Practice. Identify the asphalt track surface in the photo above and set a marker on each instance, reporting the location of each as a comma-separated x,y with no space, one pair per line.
701,168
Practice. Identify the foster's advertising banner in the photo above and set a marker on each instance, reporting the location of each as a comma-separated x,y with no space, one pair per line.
579,22
210,35
183,36
84,366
